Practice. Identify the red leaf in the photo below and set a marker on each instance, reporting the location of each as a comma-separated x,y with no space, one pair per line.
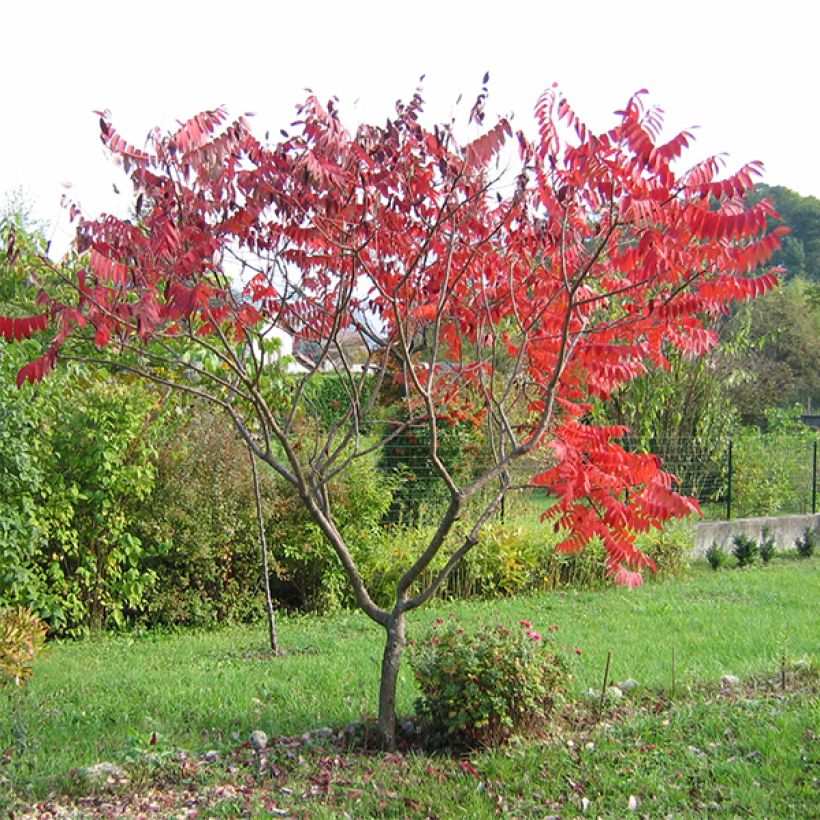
427,312
626,577
38,369
102,336
483,149
107,269
15,329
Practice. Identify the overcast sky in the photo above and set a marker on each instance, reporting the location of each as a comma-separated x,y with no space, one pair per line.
745,72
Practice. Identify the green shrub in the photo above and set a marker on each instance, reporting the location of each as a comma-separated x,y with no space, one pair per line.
744,549
24,451
772,471
669,548
510,559
202,519
200,522
75,467
767,548
309,571
716,556
100,473
806,543
328,396
420,494
480,687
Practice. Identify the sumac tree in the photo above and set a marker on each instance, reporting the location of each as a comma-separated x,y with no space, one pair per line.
511,297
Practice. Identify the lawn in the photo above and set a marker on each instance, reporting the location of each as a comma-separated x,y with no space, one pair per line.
678,744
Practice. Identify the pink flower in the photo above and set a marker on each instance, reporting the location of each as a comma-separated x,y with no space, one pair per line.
536,636
577,651
439,620
526,624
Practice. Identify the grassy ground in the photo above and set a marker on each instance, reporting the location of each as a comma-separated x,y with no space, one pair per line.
692,750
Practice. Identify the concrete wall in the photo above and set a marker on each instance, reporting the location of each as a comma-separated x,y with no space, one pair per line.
784,528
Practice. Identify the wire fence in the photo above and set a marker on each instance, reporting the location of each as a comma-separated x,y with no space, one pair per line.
752,475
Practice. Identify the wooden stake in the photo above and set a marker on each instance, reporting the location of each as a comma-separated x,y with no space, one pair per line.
673,671
606,677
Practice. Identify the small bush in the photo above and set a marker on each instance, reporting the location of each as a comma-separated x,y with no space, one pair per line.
745,550
806,543
479,688
715,556
766,546
22,636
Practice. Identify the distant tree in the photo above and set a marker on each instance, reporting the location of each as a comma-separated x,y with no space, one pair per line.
532,299
800,253
782,356
684,414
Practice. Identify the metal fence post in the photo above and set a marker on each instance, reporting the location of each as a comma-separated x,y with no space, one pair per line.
814,479
729,467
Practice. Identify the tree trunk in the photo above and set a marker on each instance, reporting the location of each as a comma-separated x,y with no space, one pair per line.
391,663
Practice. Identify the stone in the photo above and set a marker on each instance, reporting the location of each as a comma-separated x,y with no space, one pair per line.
325,733
614,692
259,740
627,685
211,756
103,774
730,681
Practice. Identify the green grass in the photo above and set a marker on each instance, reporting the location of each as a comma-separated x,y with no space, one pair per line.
102,699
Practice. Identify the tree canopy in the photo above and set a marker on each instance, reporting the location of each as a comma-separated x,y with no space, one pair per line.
800,253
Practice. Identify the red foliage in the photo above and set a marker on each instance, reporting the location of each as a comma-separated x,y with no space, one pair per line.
600,258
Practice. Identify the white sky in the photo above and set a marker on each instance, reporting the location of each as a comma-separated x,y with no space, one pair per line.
745,72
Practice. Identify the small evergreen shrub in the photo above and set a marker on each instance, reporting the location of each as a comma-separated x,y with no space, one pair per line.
806,543
766,546
480,687
745,550
715,556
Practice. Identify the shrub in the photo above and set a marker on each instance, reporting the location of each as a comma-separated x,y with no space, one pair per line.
771,470
22,636
420,493
478,688
715,556
328,397
767,548
745,550
669,548
806,543
512,558
75,467
202,521
201,524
